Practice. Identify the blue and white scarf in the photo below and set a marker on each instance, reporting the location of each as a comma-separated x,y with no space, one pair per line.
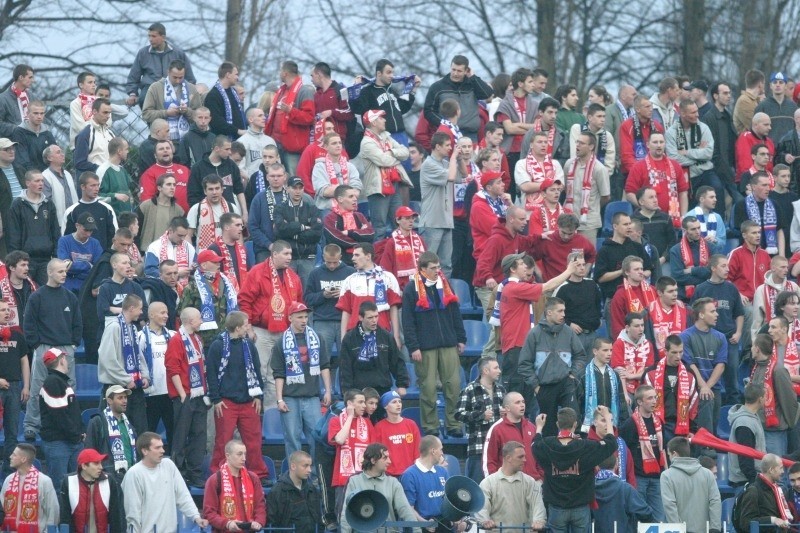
605,474
770,222
498,206
590,397
707,227
130,350
197,374
178,126
227,102
291,352
381,299
207,311
454,130
494,320
260,181
352,93
148,348
369,345
253,388
115,443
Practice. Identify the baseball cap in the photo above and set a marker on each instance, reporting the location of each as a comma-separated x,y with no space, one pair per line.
509,261
387,397
5,143
490,175
405,211
294,181
90,455
549,182
87,221
117,389
208,255
777,76
700,85
297,307
371,115
51,355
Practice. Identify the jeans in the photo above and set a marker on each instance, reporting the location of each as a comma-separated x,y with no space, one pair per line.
733,392
61,457
381,212
575,520
159,408
474,468
329,333
776,442
440,242
462,260
265,340
587,340
650,489
710,178
289,160
9,399
554,396
302,418
708,412
38,374
303,267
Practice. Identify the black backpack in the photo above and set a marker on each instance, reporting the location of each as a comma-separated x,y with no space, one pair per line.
736,512
321,429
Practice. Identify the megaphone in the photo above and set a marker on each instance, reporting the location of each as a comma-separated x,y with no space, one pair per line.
462,497
366,510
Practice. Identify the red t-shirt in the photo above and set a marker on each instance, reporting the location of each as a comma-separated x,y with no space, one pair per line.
402,440
515,312
148,188
349,456
639,177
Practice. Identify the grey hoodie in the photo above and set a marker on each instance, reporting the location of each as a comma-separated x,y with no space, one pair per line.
738,417
689,493
551,352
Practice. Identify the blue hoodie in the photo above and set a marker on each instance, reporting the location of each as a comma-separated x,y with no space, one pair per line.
618,502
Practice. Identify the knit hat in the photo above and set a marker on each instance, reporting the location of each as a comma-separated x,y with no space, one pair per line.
387,397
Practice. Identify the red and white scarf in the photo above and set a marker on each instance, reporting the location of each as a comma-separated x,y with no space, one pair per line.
286,95
228,264
389,175
771,294
551,134
548,218
657,178
351,453
636,357
538,171
331,170
650,463
22,99
283,294
780,499
348,218
407,250
791,359
207,223
752,170
86,101
688,258
663,326
227,498
685,391
770,403
634,304
181,251
22,498
586,187
7,295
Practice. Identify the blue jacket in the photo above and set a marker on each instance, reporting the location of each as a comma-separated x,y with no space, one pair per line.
260,224
618,502
83,257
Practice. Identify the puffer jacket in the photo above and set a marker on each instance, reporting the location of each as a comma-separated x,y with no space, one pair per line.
551,353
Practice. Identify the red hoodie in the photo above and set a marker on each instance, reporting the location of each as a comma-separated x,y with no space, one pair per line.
500,244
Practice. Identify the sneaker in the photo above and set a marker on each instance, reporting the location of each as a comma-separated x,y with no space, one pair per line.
30,435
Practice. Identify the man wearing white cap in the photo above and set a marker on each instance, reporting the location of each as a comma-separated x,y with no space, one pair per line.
111,433
90,496
12,180
298,362
403,248
383,169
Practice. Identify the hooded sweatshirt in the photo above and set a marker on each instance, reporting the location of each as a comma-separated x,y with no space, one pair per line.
634,356
551,353
619,502
31,145
690,494
746,429
227,170
785,398
769,289
663,114
195,145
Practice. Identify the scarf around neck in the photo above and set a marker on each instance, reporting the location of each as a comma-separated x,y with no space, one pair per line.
445,293
115,443
294,362
650,463
685,391
769,221
22,498
227,497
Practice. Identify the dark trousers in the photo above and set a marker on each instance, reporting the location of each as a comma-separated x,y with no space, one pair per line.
136,411
9,398
551,398
37,270
159,409
462,260
189,446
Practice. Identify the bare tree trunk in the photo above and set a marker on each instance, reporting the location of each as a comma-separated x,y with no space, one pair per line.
546,40
694,36
233,18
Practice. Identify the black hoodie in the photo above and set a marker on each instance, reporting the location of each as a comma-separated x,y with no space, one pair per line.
194,146
569,470
227,170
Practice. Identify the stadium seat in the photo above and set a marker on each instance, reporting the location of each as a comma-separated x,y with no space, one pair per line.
467,306
273,476
250,250
730,244
206,466
727,513
473,372
87,386
453,466
285,465
612,208
723,426
722,474
271,429
477,335
413,413
87,414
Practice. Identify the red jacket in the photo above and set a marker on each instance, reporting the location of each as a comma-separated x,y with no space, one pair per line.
481,221
627,159
301,118
500,434
744,144
331,99
177,363
424,132
256,295
747,269
554,251
499,245
211,505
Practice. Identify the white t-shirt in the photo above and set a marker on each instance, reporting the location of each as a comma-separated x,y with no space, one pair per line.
158,372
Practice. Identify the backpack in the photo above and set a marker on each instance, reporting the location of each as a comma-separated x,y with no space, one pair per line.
320,433
736,512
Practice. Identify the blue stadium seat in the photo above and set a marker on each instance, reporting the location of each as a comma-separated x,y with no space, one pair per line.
723,426
271,429
453,466
730,244
473,372
285,465
87,385
722,475
727,513
467,306
477,335
89,413
206,466
273,476
413,413
612,208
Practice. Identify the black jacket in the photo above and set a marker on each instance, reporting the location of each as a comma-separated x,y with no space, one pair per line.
194,146
289,218
721,125
466,93
386,99
31,146
289,506
116,504
757,503
433,328
790,145
216,105
35,232
609,259
97,439
227,170
6,199
233,386
377,373
59,408
161,292
147,154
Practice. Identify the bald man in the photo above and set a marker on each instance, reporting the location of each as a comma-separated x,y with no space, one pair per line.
254,140
514,426
757,134
153,339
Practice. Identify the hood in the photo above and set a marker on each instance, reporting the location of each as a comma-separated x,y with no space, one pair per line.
197,130
625,337
738,411
611,242
499,231
26,127
563,457
688,465
657,103
607,490
553,329
768,280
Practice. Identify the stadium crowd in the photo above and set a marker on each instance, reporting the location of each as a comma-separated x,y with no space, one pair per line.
304,259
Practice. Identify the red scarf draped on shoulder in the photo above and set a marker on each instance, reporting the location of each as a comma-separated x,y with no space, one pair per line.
389,175
650,463
770,402
228,263
227,497
688,259
407,250
286,95
685,392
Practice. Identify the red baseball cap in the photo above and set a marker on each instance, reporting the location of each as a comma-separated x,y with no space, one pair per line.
208,256
51,355
546,184
90,455
491,175
405,211
371,115
297,307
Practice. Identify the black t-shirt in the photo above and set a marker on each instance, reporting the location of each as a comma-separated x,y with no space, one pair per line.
11,351
630,434
740,215
670,394
414,194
